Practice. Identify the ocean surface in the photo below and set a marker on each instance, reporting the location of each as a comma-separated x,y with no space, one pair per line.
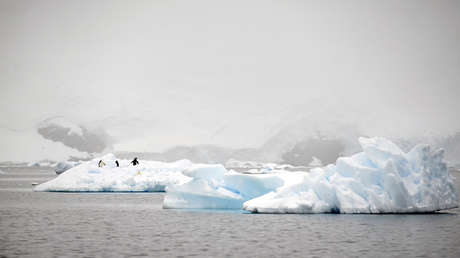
37,224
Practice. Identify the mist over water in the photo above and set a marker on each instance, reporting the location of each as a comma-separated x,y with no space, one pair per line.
154,75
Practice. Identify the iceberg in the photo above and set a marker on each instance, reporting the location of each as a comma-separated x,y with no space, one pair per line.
213,187
148,176
381,179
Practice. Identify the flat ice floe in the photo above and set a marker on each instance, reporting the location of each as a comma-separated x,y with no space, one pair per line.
148,176
381,179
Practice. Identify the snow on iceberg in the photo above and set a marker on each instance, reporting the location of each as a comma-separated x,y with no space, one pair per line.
381,179
148,176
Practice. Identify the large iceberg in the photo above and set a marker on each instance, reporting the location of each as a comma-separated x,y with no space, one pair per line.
381,179
148,176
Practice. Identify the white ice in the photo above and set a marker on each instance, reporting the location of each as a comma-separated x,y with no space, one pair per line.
148,176
220,189
214,187
381,179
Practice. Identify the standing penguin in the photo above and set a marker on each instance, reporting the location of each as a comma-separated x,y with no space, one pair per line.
101,163
135,162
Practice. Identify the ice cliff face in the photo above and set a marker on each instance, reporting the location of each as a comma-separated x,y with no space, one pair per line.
381,179
213,187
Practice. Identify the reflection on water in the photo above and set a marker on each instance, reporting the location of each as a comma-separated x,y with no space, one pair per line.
34,224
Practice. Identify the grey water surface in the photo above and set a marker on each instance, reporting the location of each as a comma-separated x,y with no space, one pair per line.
37,224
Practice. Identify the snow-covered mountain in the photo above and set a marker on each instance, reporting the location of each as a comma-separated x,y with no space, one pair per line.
59,139
78,137
297,150
53,139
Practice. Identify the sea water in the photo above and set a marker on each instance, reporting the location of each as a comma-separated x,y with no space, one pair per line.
43,224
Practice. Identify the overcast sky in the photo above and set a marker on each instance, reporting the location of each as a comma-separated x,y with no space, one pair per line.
155,74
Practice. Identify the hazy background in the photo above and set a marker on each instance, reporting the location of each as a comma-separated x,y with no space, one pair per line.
151,75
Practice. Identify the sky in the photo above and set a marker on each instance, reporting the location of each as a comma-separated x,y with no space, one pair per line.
155,74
